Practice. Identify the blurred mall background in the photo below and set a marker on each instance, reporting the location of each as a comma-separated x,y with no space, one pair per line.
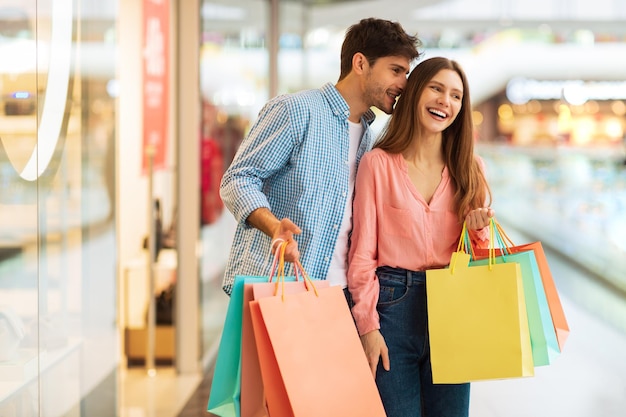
117,119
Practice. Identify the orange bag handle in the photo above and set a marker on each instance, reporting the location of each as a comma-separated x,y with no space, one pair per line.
278,263
505,238
298,270
307,280
275,260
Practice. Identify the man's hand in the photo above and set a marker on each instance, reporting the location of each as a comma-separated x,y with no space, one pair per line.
284,233
264,220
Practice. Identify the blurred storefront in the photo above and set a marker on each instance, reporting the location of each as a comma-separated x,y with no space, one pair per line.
578,113
107,216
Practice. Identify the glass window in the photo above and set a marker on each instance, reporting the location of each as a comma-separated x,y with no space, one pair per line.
57,238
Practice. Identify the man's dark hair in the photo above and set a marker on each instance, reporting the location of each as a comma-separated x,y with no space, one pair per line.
376,38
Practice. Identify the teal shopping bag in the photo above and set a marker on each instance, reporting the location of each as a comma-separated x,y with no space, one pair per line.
226,386
544,343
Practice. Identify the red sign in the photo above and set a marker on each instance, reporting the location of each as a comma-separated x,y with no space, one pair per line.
156,30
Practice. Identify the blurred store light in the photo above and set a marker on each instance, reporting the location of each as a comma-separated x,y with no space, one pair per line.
619,108
574,93
477,117
520,90
592,107
505,112
613,129
564,119
582,132
584,37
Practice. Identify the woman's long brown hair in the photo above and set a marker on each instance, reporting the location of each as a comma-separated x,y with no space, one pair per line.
472,189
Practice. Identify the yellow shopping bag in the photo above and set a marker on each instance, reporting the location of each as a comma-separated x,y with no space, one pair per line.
477,322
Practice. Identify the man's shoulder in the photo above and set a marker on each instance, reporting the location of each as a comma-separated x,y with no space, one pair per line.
302,96
325,96
297,105
305,105
314,96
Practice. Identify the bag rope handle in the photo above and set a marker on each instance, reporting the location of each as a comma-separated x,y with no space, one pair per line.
496,234
492,245
298,270
461,245
307,280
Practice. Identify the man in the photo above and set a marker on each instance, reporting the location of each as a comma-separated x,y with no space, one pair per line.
294,173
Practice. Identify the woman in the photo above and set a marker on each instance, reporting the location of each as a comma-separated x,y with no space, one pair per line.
413,192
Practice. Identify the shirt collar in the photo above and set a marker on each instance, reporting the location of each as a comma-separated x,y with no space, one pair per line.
339,106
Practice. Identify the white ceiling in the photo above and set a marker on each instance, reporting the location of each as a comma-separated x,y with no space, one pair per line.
423,15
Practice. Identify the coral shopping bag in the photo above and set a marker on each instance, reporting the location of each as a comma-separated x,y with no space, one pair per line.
224,398
543,337
252,394
311,358
559,321
477,322
253,403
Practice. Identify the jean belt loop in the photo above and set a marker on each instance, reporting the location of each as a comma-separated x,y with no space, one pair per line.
409,278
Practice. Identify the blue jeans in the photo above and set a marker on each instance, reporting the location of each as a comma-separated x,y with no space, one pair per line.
407,389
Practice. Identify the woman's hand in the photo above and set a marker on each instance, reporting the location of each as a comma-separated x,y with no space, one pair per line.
478,218
375,350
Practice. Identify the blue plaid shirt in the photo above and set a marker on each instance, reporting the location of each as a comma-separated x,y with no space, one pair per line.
295,163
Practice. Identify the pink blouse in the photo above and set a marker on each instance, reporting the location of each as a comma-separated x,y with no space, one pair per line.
394,226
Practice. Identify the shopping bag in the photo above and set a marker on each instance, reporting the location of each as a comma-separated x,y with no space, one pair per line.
253,402
312,361
252,394
557,313
252,398
559,321
543,336
477,321
226,391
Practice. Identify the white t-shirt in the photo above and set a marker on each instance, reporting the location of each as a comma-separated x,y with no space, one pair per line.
338,268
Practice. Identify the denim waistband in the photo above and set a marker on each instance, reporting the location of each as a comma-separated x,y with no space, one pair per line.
403,275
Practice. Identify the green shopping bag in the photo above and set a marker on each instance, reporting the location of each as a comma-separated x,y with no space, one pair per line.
226,387
543,338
